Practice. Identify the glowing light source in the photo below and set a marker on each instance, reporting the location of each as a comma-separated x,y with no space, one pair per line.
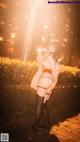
67,26
30,28
10,24
39,23
54,40
40,49
13,35
60,59
1,38
63,44
46,26
65,40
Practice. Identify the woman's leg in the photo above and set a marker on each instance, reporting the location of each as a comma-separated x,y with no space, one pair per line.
41,113
46,112
39,108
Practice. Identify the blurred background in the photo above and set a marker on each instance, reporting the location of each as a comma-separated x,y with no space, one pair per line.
27,25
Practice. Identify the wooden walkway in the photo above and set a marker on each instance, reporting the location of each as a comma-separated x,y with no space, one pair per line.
68,131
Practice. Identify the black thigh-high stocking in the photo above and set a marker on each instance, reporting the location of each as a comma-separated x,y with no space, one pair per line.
45,113
41,111
39,108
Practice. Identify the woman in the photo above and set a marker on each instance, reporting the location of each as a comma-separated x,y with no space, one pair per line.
44,82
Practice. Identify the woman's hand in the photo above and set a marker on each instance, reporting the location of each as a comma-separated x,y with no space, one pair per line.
46,98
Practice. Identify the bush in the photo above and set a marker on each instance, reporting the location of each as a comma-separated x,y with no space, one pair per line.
16,72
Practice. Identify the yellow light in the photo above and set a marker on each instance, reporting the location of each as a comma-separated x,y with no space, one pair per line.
65,40
63,45
46,26
61,59
54,40
30,28
67,25
13,35
40,49
1,38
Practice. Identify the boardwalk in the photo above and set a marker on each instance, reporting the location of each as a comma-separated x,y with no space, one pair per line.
68,131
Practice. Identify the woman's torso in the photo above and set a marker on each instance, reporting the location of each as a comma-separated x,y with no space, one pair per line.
47,67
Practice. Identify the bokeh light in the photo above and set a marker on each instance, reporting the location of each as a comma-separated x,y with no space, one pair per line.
26,25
